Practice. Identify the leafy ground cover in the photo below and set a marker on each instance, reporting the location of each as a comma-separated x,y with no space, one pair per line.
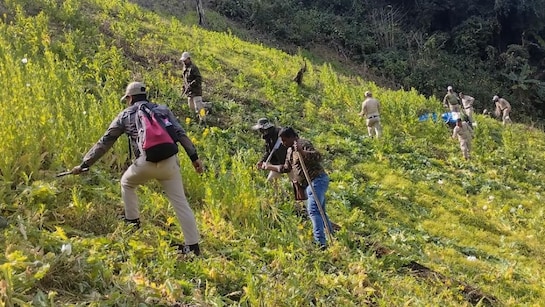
406,199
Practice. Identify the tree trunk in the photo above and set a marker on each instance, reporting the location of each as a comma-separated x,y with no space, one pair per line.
200,11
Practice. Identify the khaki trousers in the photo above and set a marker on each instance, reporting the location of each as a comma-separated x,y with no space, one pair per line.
465,146
167,172
195,103
469,113
374,127
505,116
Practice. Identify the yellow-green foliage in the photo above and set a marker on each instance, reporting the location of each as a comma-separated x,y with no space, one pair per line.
63,68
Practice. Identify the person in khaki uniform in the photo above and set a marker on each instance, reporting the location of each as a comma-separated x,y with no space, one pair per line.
166,171
463,131
370,108
192,85
467,104
503,109
451,101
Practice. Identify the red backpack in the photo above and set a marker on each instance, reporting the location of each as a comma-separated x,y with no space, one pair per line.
154,141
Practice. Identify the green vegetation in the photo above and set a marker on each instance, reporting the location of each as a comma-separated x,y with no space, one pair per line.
482,48
63,68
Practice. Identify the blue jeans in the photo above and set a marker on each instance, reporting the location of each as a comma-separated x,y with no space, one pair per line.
320,185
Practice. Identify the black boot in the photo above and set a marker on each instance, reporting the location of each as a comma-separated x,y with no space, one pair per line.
186,249
134,222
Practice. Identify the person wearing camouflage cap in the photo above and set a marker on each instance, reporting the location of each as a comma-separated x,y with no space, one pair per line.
275,152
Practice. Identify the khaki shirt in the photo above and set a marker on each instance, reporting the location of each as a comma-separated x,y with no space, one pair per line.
464,133
370,107
467,101
450,98
312,162
503,104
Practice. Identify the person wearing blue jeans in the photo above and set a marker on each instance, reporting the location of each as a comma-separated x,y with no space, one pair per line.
300,157
319,185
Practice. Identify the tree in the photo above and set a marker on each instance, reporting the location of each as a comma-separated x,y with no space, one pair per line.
200,11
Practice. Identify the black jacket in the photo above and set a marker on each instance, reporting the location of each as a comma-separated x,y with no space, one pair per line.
279,155
192,80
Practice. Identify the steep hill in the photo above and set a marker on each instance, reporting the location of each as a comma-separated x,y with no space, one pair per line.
420,226
483,48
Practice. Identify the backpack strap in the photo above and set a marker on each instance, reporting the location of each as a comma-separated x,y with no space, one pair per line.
149,110
130,147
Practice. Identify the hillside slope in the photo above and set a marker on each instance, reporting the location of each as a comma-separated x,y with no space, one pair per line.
408,199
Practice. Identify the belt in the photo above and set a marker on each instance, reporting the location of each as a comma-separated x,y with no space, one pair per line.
468,108
372,116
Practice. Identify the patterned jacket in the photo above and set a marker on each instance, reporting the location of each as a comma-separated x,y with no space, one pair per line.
125,122
311,160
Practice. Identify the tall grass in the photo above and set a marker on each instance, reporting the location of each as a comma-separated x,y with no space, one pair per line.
63,67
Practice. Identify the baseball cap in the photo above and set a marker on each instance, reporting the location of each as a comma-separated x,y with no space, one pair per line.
449,88
495,98
134,88
185,56
262,123
368,94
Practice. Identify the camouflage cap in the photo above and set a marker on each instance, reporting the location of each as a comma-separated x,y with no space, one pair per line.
262,123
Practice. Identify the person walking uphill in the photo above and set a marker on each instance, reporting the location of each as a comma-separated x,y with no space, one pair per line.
465,135
301,154
192,85
503,109
145,167
370,108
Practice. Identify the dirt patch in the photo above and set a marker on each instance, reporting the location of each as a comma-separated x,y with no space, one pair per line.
470,293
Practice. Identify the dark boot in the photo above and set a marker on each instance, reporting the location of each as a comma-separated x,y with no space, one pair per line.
134,222
187,249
